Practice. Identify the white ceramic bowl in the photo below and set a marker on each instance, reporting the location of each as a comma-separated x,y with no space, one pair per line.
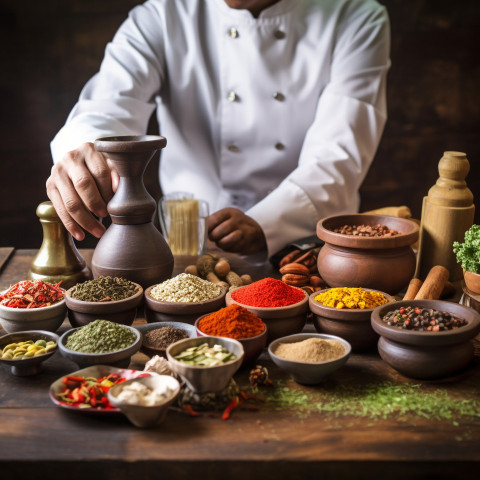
146,416
308,373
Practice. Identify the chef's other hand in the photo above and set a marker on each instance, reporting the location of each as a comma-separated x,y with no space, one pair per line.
233,231
80,184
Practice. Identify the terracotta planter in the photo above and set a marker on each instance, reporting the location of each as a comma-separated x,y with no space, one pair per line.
472,281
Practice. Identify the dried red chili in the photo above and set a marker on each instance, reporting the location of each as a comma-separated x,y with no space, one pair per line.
268,292
32,294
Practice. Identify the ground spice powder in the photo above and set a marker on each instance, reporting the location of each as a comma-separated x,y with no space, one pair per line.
350,298
233,321
311,350
268,292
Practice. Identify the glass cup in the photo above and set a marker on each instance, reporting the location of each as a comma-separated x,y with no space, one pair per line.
183,220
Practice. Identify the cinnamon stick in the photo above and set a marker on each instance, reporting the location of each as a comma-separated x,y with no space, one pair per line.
434,284
413,288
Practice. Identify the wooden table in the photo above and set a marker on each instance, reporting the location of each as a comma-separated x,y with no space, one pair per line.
41,440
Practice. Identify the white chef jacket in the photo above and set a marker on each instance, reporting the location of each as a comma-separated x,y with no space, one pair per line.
278,115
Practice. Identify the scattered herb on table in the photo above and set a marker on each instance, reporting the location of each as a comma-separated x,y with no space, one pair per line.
32,294
104,289
468,252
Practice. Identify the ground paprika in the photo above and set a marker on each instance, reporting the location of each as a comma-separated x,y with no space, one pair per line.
268,292
233,321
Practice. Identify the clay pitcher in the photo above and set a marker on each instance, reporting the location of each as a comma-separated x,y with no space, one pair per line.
132,247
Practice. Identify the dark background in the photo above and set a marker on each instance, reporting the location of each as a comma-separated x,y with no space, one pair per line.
51,48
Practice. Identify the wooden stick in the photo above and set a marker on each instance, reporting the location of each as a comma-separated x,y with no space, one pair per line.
433,285
413,288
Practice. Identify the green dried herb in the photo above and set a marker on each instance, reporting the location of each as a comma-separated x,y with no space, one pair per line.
374,401
468,253
104,289
100,336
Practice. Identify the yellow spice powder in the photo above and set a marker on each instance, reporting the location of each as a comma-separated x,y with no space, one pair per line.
346,297
312,350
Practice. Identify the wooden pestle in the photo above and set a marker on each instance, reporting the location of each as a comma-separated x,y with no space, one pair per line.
434,284
413,288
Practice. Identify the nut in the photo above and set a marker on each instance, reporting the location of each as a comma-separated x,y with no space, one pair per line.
296,268
295,279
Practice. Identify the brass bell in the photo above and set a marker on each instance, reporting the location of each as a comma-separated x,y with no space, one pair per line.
57,259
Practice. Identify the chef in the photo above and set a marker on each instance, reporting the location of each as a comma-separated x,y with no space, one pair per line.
272,110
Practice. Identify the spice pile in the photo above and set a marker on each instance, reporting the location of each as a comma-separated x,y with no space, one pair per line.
350,298
268,292
423,319
100,336
311,350
233,321
162,337
27,349
104,289
32,294
185,288
366,231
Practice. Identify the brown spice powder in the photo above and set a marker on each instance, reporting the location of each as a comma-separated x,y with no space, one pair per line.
312,350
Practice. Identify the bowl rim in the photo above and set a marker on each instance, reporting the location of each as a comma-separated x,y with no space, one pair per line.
83,306
286,308
39,358
304,336
402,240
164,403
159,303
65,335
242,339
174,361
422,338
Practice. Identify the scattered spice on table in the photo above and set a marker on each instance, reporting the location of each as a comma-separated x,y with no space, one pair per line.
104,289
204,355
350,298
423,319
311,350
100,336
163,337
185,288
366,230
32,294
268,292
233,321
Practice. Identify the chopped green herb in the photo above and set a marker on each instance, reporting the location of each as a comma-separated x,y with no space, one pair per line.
468,253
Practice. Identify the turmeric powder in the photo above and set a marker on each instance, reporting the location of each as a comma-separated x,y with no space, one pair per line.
350,298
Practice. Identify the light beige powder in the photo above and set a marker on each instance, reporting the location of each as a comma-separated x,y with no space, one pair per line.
312,350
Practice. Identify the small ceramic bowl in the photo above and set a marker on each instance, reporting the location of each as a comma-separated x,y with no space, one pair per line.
472,281
280,321
206,379
149,349
81,313
308,373
146,416
427,355
252,346
44,318
351,324
28,365
352,261
119,358
159,311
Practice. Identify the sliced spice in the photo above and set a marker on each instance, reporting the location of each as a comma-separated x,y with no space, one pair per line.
104,289
32,294
351,298
205,356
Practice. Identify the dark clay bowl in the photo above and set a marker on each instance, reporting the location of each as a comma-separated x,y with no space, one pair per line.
351,324
159,311
80,313
119,358
427,355
252,346
280,321
147,349
31,365
352,261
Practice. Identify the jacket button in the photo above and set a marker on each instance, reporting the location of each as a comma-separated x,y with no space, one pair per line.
279,34
280,146
232,97
232,147
279,96
233,32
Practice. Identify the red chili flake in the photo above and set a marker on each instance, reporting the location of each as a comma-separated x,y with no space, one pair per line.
32,294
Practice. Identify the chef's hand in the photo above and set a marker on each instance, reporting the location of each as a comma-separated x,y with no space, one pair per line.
80,184
233,231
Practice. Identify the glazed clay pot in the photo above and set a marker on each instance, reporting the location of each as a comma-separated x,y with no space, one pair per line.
427,355
380,263
472,281
132,247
